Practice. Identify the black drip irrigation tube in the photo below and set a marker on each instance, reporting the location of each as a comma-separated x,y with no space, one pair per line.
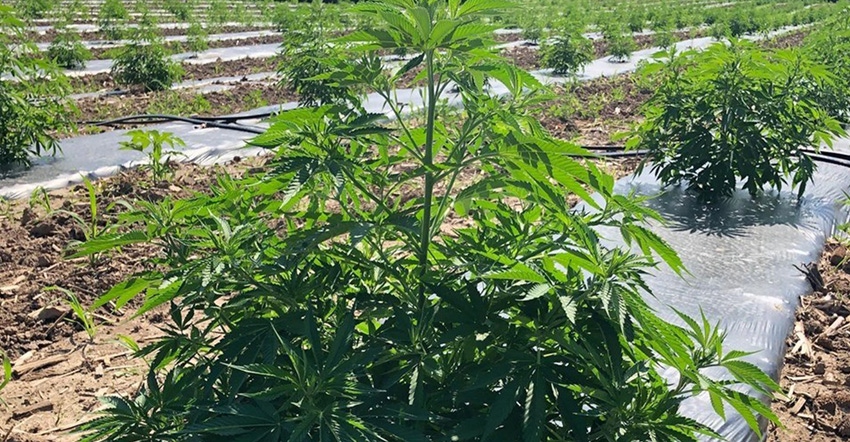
216,122
232,123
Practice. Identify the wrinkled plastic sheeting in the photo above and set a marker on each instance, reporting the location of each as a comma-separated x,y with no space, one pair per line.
98,156
741,256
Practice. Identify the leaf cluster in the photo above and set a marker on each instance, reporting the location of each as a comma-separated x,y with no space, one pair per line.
34,103
67,50
567,52
145,63
414,279
734,114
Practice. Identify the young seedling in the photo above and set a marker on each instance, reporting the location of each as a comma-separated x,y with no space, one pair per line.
153,142
82,315
7,371
40,198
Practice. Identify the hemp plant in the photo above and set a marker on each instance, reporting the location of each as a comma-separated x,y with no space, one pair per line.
415,280
153,143
34,103
734,114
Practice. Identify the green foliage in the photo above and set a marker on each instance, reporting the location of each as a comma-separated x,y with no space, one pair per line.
218,14
34,103
67,49
112,17
364,288
284,17
7,371
734,113
664,39
145,62
197,38
181,9
83,316
35,8
567,53
620,44
176,103
154,143
531,30
830,45
306,54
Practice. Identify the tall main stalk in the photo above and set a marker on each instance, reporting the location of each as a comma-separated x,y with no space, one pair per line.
428,163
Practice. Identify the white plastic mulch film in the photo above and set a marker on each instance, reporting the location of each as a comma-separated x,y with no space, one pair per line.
741,255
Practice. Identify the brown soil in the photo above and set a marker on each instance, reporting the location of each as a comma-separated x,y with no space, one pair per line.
508,38
591,112
192,71
816,377
59,371
243,96
180,47
48,36
786,41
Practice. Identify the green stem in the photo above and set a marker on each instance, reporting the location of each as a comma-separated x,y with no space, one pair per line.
428,163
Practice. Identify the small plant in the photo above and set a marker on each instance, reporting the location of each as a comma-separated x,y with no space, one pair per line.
830,45
36,8
7,371
153,143
664,39
719,31
567,53
82,315
218,14
255,99
197,38
34,104
284,17
531,30
40,198
146,63
111,18
733,113
179,8
67,49
620,44
307,53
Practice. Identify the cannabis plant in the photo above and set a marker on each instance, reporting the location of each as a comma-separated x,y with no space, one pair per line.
567,53
7,371
830,45
620,44
67,49
153,143
145,63
197,38
34,103
423,279
734,114
306,54
112,17
35,8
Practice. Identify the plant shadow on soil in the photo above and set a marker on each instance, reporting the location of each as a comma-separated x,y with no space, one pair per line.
733,217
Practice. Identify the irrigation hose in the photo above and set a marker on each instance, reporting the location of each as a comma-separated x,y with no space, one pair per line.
232,123
162,118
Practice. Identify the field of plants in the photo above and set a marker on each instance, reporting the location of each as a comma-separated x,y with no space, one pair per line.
424,220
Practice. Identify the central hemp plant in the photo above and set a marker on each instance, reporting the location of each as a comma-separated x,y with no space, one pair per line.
417,278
